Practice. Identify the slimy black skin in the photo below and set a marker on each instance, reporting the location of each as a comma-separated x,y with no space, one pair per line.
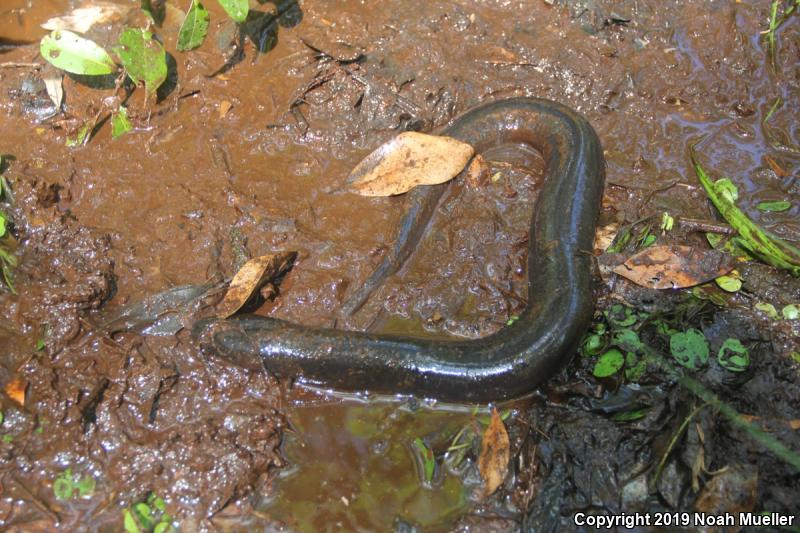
504,365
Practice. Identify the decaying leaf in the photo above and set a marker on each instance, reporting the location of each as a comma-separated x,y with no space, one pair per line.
251,277
674,266
477,172
604,236
15,389
493,460
733,490
224,107
83,18
55,90
408,160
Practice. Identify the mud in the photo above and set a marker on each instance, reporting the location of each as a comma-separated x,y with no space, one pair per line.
193,191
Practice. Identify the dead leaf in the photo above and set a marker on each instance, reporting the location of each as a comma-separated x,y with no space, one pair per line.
733,491
15,389
224,107
408,160
477,172
493,460
251,277
83,18
55,89
674,266
604,236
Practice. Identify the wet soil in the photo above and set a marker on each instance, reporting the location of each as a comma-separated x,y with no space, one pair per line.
245,153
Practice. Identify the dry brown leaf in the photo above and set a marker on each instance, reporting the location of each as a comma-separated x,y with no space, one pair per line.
408,160
604,236
477,172
493,460
251,277
733,490
674,266
83,18
224,107
15,389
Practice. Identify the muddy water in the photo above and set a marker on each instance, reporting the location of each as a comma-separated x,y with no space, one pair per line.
194,190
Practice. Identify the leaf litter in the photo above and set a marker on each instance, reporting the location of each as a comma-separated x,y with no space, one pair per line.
495,454
409,160
674,266
253,274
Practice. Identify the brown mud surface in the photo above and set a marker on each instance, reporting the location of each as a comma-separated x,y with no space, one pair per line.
245,154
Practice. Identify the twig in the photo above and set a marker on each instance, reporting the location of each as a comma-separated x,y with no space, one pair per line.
16,64
694,224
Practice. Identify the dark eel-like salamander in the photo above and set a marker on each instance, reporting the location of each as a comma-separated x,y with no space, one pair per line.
503,365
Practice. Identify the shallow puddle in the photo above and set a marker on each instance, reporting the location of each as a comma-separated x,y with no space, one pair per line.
354,466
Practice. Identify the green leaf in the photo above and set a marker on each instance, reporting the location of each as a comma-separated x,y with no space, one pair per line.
774,207
620,316
733,356
194,27
629,416
769,248
144,515
634,367
86,486
162,527
648,241
236,9
8,438
120,123
71,52
157,10
667,222
427,457
2,417
628,340
727,189
791,312
130,522
3,183
729,283
40,345
143,58
2,224
767,308
593,345
690,348
80,137
609,363
63,487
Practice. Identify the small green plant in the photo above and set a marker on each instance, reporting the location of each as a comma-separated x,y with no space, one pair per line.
68,485
148,516
776,20
757,241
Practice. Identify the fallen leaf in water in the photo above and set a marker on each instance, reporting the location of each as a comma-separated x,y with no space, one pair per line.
82,19
674,267
224,107
493,460
251,277
15,389
408,160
